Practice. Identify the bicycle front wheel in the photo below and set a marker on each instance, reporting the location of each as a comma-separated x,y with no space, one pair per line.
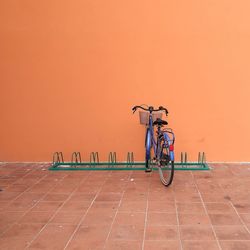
166,166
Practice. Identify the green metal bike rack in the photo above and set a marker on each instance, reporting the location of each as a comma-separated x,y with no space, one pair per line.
76,157
58,157
112,159
94,158
130,158
112,164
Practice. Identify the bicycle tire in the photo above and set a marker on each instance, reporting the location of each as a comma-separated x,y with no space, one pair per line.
148,151
166,166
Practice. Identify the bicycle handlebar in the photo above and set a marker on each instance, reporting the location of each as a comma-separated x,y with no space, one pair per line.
150,109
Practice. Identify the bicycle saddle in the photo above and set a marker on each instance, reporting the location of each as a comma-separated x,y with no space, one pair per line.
160,122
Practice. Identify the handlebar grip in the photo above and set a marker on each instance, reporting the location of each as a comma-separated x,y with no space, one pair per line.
162,108
134,109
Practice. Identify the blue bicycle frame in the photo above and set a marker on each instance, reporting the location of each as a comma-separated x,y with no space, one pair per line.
162,142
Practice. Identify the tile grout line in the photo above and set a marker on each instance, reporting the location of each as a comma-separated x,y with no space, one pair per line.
178,223
203,204
19,179
83,217
117,211
30,172
240,217
146,215
235,208
24,213
55,213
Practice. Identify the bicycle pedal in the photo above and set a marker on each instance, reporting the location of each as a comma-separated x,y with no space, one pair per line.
148,170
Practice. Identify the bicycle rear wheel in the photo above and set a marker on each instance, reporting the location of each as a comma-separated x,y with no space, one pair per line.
148,151
166,166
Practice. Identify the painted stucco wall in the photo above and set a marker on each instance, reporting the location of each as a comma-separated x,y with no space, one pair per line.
70,71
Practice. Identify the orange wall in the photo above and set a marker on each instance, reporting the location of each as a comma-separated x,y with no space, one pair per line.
70,71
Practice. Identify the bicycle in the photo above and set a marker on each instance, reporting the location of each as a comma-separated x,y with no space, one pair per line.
160,140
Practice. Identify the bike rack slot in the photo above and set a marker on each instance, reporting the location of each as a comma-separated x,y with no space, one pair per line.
130,158
201,157
94,158
76,157
184,158
112,159
58,158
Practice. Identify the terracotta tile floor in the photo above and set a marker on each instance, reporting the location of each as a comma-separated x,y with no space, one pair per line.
41,209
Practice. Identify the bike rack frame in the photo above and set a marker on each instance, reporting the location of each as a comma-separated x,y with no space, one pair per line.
112,163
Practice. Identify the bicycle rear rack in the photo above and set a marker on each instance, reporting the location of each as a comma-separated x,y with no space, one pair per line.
112,163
